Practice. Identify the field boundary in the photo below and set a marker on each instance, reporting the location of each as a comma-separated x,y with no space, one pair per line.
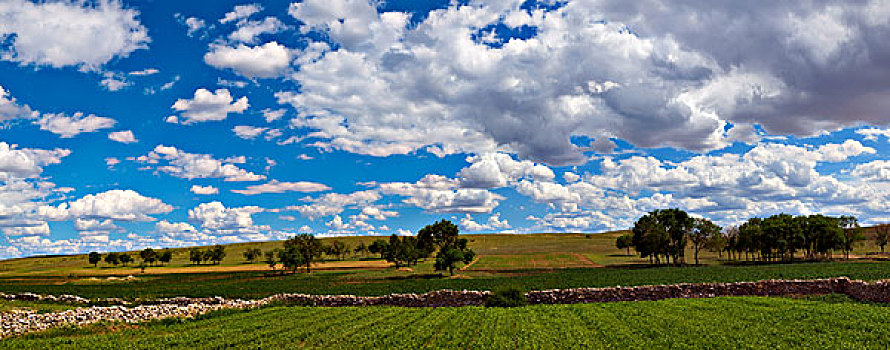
20,322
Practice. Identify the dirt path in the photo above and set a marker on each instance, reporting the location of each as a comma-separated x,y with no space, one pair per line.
587,261
470,264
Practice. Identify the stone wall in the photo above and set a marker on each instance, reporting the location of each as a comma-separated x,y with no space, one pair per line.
19,322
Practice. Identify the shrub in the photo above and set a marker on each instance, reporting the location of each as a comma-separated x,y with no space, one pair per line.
506,297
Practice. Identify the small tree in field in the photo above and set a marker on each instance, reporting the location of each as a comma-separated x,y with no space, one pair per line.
703,230
149,256
165,256
852,233
217,253
303,249
449,256
112,258
452,250
272,258
882,235
379,247
253,254
625,242
125,258
361,249
94,258
196,255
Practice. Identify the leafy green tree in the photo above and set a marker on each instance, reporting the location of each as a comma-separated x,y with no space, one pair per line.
703,231
165,256
625,242
217,253
94,258
882,235
112,258
149,256
196,256
125,258
306,248
435,236
272,258
379,247
206,255
338,249
252,254
361,249
453,253
663,232
852,233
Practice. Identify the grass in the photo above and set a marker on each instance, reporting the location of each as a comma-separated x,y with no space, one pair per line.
256,285
744,322
38,306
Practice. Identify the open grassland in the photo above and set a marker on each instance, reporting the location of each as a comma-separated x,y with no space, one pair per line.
735,322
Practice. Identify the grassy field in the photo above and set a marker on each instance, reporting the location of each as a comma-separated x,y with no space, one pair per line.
539,261
736,322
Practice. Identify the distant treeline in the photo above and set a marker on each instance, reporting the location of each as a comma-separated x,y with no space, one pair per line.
663,235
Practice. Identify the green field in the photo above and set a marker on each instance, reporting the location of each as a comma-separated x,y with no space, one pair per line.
733,322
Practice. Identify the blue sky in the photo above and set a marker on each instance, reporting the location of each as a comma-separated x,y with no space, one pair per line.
168,123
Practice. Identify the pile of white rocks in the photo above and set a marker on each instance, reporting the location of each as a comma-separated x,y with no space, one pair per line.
24,321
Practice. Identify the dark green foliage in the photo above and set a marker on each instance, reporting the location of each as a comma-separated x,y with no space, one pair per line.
337,249
272,258
403,251
217,253
125,258
379,247
361,249
452,254
625,242
435,236
663,233
112,258
782,236
882,235
703,231
165,256
196,255
149,256
252,255
94,258
301,250
506,297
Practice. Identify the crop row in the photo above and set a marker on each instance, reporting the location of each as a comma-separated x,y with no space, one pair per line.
688,323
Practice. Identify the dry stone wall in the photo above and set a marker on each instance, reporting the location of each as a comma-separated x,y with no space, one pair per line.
18,322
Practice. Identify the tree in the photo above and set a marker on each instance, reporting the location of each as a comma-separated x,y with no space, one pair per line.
436,236
379,247
453,253
217,253
337,249
196,256
403,251
882,235
125,258
272,258
252,254
149,256
852,233
94,258
165,256
361,249
304,249
112,258
625,241
703,230
206,255
663,232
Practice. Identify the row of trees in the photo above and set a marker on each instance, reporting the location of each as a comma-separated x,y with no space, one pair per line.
663,236
213,254
149,257
440,238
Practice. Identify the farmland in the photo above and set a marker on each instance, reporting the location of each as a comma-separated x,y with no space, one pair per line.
755,323
540,261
